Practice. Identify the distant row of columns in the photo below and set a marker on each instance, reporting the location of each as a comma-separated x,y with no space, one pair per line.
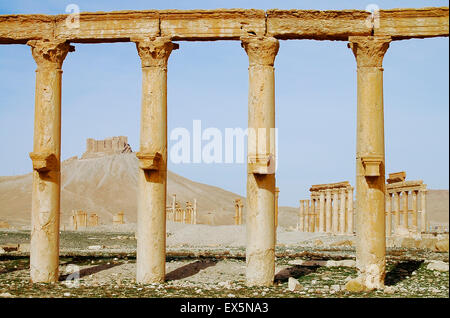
176,213
81,219
329,211
399,213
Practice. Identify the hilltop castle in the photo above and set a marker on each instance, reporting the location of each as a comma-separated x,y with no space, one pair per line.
108,146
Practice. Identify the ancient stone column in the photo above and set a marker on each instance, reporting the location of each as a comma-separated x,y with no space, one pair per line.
328,211
342,211
423,212
260,254
370,167
388,214
45,206
322,212
301,217
194,212
307,216
350,211
414,211
405,209
335,218
151,216
185,213
236,211
396,210
277,192
312,215
174,207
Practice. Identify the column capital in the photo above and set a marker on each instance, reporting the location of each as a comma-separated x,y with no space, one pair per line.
260,50
49,53
154,51
369,50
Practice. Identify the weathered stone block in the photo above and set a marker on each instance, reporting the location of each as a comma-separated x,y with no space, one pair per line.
218,24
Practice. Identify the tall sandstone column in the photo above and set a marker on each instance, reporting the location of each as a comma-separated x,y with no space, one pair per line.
260,254
45,206
396,211
328,211
370,166
343,195
301,217
423,212
388,214
322,212
350,211
335,218
405,210
414,211
307,215
151,218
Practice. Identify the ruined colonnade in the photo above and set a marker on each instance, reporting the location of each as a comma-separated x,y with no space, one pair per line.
176,213
330,209
259,32
405,202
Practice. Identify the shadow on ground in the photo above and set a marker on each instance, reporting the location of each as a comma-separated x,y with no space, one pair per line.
89,271
294,271
400,271
190,269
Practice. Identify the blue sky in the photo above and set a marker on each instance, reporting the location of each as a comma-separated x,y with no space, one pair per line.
315,98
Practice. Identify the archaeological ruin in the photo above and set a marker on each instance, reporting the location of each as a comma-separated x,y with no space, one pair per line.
402,214
108,146
330,209
176,213
238,205
259,33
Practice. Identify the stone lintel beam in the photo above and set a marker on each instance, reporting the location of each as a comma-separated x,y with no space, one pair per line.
317,25
337,185
204,25
401,24
224,24
116,26
409,185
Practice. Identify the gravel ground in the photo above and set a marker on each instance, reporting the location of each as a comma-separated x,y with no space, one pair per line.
205,266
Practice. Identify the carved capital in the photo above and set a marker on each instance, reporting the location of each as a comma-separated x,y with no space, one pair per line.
154,51
369,50
48,53
260,50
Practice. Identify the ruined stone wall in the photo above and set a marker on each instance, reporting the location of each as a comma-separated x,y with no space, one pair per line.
108,146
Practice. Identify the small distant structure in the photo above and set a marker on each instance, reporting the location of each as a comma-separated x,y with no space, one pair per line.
329,210
108,146
93,220
176,213
406,203
238,205
118,218
80,219
4,225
